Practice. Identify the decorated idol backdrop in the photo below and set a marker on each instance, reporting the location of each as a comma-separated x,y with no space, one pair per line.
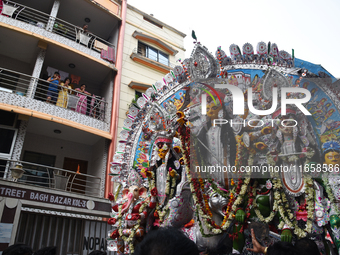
226,143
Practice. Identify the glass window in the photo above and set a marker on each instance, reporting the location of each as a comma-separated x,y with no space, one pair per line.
7,138
152,53
7,118
164,59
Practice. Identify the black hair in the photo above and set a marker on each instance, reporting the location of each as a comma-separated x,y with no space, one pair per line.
51,250
281,248
68,78
306,246
18,249
224,246
166,241
97,253
227,138
57,73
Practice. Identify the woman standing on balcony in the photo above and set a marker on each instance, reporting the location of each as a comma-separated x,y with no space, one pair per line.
62,95
53,88
82,102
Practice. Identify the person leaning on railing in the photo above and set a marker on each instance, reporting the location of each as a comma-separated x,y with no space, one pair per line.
82,102
53,88
64,90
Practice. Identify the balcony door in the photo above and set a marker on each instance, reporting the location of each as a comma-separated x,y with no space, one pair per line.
78,181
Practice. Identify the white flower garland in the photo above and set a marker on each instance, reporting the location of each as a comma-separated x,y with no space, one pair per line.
309,192
330,194
285,213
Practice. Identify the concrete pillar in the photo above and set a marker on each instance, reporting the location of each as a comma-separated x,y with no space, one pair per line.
18,145
36,72
53,15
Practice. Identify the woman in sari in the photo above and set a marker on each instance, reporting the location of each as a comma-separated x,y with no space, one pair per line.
62,95
82,102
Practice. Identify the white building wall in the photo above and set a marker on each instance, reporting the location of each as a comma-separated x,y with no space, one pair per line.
133,71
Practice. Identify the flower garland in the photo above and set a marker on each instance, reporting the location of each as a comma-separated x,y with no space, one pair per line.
330,195
129,239
277,201
282,206
239,198
252,193
168,190
309,196
197,195
217,190
194,185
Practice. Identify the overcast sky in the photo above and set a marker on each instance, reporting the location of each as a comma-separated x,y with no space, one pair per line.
311,28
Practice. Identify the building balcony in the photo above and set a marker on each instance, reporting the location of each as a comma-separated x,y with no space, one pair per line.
23,94
63,32
51,178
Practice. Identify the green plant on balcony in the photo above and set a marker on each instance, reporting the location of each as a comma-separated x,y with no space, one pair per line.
60,28
133,103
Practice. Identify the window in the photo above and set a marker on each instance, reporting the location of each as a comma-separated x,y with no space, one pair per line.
138,94
38,175
7,138
153,54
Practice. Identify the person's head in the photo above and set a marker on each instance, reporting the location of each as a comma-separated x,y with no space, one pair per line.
51,250
281,248
306,246
85,27
83,87
18,249
67,81
166,241
56,74
97,253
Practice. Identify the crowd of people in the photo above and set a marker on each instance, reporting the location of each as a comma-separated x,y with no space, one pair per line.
23,249
171,241
58,93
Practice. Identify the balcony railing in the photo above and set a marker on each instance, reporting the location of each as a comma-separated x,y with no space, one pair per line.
52,178
55,25
22,90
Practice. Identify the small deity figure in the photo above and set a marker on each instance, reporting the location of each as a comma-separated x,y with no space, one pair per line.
166,165
131,213
331,179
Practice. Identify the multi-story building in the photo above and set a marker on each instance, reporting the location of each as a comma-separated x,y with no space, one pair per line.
151,50
63,137
62,146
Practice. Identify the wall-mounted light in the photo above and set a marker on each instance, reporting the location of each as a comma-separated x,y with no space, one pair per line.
87,20
57,131
71,65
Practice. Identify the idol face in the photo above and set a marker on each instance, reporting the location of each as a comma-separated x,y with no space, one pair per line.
332,158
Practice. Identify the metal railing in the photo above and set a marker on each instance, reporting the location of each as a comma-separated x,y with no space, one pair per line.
55,25
52,178
72,99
